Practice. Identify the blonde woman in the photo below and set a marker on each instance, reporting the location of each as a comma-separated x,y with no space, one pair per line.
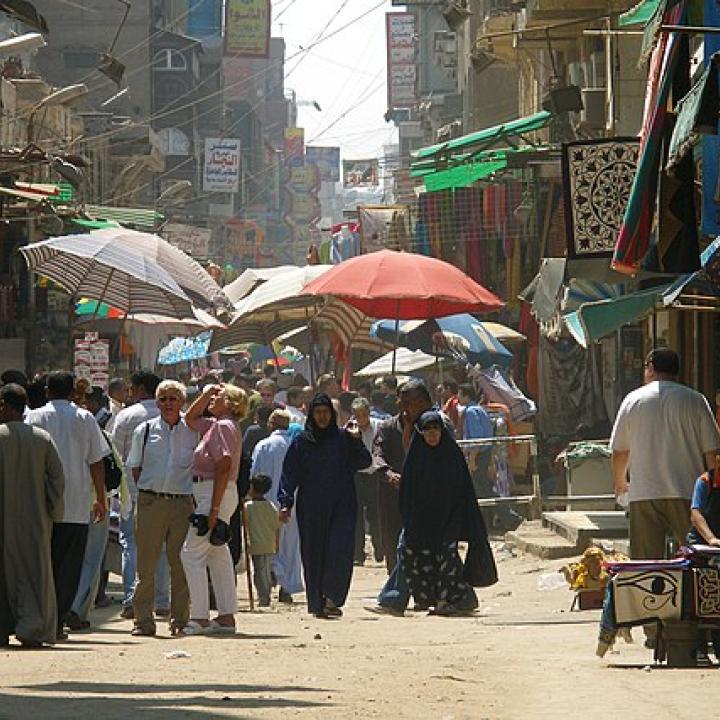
215,469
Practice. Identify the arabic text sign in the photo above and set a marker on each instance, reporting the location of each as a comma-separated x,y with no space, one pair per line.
222,165
401,67
192,240
247,28
294,146
328,161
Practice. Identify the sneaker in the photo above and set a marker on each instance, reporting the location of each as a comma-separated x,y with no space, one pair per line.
384,610
215,628
127,613
195,628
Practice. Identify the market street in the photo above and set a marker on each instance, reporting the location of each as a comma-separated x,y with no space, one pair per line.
524,656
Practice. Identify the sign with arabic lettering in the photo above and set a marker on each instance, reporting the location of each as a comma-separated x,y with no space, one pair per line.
401,65
247,28
222,165
327,159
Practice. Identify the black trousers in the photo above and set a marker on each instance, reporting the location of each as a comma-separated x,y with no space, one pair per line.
7,621
67,550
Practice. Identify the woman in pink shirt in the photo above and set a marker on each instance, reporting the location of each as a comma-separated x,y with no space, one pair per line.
215,470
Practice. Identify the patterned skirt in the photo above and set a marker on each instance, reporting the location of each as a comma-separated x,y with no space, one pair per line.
435,577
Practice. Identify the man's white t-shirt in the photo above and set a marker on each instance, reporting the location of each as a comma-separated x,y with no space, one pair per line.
667,427
80,443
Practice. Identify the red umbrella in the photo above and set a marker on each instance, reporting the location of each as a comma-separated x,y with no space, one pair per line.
404,286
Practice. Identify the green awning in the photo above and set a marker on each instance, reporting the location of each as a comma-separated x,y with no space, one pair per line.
94,224
640,14
462,175
490,137
595,320
140,218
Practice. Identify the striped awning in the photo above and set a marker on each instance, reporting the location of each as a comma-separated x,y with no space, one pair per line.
351,326
139,218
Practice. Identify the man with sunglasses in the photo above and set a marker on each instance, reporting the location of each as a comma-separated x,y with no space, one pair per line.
161,463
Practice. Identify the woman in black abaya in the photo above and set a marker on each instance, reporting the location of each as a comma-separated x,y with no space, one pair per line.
439,509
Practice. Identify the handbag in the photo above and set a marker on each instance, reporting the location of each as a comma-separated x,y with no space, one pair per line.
113,472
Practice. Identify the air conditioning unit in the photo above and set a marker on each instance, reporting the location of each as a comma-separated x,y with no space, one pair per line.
593,114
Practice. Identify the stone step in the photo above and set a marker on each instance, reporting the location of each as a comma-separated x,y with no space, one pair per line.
580,528
531,537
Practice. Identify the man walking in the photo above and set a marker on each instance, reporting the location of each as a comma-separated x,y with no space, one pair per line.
665,435
161,462
31,499
267,459
143,385
366,486
82,447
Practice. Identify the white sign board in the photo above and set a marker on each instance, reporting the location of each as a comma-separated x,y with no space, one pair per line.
190,239
222,165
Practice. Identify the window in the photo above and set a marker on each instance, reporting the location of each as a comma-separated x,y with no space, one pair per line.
169,59
174,141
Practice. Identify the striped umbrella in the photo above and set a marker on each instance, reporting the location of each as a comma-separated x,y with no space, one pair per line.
104,270
196,283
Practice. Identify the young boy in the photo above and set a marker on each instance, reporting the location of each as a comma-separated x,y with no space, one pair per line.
263,528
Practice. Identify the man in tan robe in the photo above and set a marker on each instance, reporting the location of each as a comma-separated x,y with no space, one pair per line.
31,498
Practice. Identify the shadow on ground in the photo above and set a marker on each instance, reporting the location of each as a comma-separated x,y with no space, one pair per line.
115,700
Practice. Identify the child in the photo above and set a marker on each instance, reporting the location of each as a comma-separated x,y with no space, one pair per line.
263,528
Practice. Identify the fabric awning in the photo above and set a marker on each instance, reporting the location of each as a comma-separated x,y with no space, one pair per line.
140,218
485,139
462,175
639,14
596,320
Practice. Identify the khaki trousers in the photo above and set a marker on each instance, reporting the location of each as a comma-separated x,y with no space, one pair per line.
651,521
161,520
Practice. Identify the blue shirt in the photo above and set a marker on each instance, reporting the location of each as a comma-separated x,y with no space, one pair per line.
700,494
477,424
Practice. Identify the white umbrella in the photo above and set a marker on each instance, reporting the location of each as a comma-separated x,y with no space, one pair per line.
199,321
406,361
104,270
250,279
187,272
502,332
273,309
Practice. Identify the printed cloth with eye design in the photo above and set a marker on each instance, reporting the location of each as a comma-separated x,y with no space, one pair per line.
644,591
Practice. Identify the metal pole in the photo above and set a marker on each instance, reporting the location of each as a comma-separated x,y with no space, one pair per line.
30,335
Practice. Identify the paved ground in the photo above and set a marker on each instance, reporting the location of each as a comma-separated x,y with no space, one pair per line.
523,657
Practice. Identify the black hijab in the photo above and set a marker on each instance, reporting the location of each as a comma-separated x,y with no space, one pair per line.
438,503
313,433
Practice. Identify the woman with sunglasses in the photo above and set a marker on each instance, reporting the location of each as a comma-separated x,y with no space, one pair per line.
215,470
439,509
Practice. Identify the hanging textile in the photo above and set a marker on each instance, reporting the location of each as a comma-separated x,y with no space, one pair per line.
473,236
634,237
710,143
677,249
597,179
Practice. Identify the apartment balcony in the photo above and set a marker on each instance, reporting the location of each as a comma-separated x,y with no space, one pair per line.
548,11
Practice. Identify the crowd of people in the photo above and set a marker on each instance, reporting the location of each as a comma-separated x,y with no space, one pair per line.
177,469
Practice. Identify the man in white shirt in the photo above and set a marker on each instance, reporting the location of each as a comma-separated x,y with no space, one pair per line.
81,447
143,385
665,435
161,463
295,397
366,485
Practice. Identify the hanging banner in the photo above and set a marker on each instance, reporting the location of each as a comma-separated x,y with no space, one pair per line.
327,160
295,146
221,170
401,65
247,28
361,173
304,179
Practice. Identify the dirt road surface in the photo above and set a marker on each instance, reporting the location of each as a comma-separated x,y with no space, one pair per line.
524,656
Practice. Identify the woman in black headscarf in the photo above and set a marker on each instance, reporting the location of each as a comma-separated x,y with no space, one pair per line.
438,506
321,464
